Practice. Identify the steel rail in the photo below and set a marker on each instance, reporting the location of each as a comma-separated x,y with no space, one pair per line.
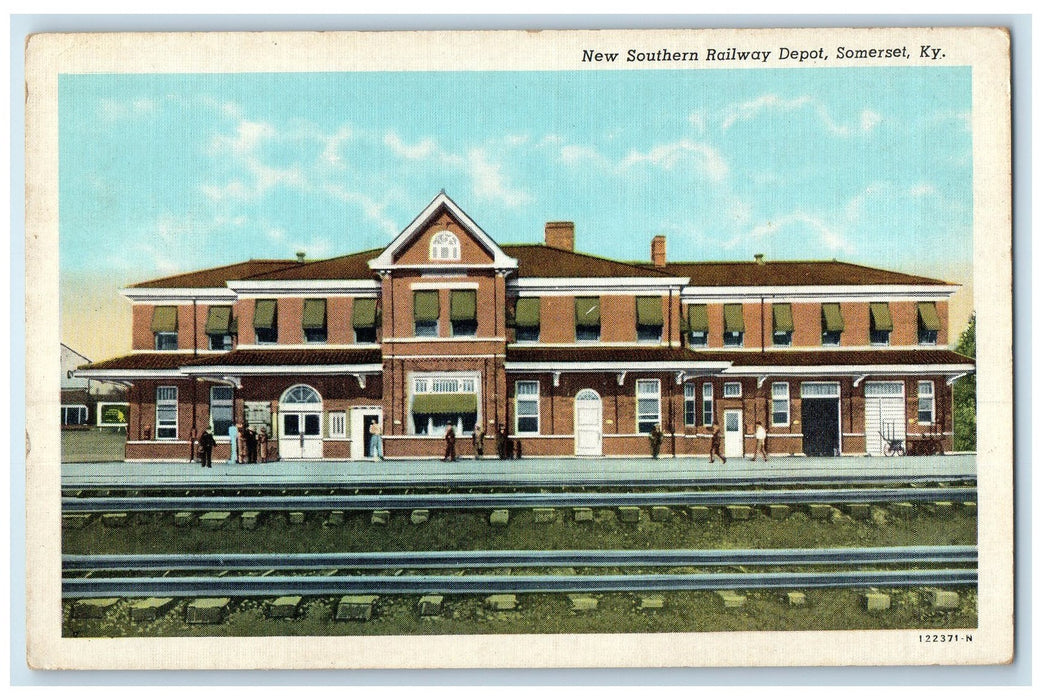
520,558
264,481
455,501
251,586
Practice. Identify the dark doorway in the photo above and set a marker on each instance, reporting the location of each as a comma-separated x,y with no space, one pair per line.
367,420
821,427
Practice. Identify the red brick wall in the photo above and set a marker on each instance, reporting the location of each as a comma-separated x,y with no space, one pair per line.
244,312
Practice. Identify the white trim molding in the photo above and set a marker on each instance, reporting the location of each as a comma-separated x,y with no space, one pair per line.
603,286
253,289
385,260
813,293
239,370
856,371
183,295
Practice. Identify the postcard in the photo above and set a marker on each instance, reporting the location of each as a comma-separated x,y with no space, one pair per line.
481,349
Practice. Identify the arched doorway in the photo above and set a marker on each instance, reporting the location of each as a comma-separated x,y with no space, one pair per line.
588,425
300,423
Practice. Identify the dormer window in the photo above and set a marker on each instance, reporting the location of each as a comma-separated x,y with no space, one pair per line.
444,246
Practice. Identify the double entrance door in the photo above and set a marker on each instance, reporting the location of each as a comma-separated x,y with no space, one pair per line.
301,435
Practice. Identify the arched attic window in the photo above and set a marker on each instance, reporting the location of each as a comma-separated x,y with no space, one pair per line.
444,246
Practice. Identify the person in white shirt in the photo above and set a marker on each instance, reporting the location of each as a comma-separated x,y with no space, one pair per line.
761,442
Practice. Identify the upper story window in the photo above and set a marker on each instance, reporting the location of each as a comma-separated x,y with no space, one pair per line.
266,320
220,327
164,327
444,246
929,322
313,321
734,325
588,318
880,323
732,390
649,319
783,326
426,308
364,319
526,320
831,324
463,312
697,325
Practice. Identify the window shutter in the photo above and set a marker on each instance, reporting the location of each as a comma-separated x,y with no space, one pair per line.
463,305
526,314
833,317
264,314
928,316
164,319
881,320
587,311
782,318
697,318
218,320
649,311
363,314
425,306
733,320
314,314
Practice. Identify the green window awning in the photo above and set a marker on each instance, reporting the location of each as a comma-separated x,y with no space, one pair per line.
463,305
649,311
425,305
733,320
587,311
782,318
314,314
526,314
881,320
264,314
698,318
832,317
164,319
219,320
928,316
445,403
363,315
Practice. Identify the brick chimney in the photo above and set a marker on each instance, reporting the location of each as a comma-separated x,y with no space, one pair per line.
560,234
658,251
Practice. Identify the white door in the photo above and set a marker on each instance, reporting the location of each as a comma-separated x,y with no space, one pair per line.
884,415
361,418
300,423
734,438
301,435
587,423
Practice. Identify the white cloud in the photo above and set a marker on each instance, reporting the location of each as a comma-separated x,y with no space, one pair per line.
373,210
669,155
115,110
751,109
698,121
923,189
870,120
333,144
490,182
245,145
827,234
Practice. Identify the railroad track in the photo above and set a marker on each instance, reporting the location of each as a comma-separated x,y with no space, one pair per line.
458,501
847,556
89,585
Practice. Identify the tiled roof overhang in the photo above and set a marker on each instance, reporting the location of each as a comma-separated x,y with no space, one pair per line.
289,361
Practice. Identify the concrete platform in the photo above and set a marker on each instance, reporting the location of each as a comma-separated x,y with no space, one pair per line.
543,470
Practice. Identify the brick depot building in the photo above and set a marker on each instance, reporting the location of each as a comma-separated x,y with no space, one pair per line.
574,354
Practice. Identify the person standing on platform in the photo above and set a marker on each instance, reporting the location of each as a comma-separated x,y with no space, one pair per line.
206,445
478,438
233,444
240,443
715,440
262,443
655,438
761,442
251,445
502,445
450,445
376,448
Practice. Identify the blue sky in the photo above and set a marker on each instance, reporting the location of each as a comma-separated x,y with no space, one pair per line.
166,173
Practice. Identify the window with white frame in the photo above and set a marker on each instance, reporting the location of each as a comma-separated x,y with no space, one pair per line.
440,401
732,390
166,412
649,404
707,403
526,411
74,414
780,403
926,403
337,423
690,401
444,246
221,415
